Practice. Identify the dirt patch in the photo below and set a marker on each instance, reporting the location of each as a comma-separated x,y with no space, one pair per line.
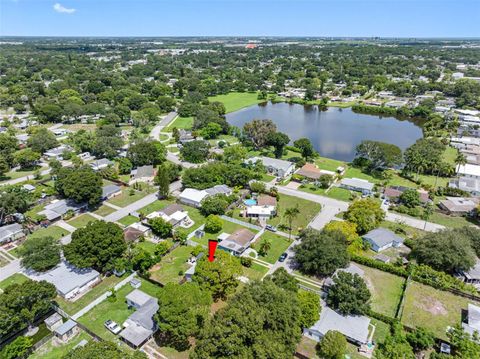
433,306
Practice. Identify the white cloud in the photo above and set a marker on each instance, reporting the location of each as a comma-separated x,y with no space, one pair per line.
62,9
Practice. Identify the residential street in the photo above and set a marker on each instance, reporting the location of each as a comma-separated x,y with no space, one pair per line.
155,132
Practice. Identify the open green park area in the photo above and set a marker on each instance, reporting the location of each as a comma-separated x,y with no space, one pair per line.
114,309
235,101
129,195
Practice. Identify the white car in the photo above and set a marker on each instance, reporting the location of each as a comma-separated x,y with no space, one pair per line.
112,326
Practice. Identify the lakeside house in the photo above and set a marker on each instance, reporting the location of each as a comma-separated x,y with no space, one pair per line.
194,197
237,242
140,325
274,166
458,206
393,193
358,185
311,172
69,280
11,232
382,238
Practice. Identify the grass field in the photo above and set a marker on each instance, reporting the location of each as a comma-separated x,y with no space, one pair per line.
104,211
432,308
235,101
125,198
106,284
256,271
170,266
180,122
17,278
154,206
128,220
82,220
279,245
386,290
117,310
51,231
308,211
52,349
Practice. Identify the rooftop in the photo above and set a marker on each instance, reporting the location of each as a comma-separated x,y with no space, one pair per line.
357,183
272,162
382,237
65,327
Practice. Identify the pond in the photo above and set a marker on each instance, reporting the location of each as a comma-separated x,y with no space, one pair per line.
334,133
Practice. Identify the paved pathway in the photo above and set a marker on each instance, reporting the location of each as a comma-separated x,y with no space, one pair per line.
111,205
155,132
10,269
173,157
68,227
100,299
413,222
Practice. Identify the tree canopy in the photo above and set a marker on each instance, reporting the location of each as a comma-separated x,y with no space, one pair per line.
80,184
40,254
379,154
349,294
366,214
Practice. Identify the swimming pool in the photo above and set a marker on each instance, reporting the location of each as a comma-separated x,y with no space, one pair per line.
250,202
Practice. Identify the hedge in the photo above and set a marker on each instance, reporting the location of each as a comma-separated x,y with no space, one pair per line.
369,262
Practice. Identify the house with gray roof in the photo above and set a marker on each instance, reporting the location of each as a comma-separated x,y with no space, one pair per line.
140,325
467,184
57,209
355,328
57,152
100,164
142,174
110,191
11,232
382,238
458,205
357,184
67,330
274,166
472,276
69,280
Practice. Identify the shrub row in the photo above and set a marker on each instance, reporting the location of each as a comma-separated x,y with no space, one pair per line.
370,262
439,280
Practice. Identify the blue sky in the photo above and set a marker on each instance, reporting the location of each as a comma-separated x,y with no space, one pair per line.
388,18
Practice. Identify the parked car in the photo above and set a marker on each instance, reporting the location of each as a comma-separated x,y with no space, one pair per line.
283,257
112,326
271,228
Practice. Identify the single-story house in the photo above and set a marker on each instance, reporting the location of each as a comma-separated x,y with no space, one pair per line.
59,131
312,172
472,276
67,330
467,184
173,214
382,238
472,323
57,152
353,327
352,269
58,208
194,197
185,136
265,207
357,184
54,321
274,166
100,164
468,170
22,138
237,242
142,174
110,191
136,230
458,205
393,193
28,187
69,280
11,232
140,325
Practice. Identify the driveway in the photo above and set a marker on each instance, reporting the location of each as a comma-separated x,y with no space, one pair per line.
155,132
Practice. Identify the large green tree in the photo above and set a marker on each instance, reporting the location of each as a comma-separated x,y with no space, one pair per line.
259,131
310,307
365,213
278,140
145,152
332,346
349,294
379,154
183,311
306,148
321,253
195,151
220,276
80,184
262,321
42,140
97,245
40,254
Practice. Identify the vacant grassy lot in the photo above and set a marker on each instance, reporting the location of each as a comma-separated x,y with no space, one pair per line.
180,122
17,278
52,350
115,310
126,198
433,309
255,272
105,285
82,220
308,211
235,101
104,211
279,245
386,290
328,164
171,265
154,206
51,231
128,220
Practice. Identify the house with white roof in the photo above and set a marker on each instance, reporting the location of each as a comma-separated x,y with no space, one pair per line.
57,152
194,197
100,164
472,323
467,184
468,170
69,280
355,328
357,184
174,214
274,166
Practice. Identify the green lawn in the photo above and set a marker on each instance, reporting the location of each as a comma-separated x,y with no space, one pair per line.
328,164
105,285
279,245
227,227
104,211
148,246
20,173
51,349
17,278
432,308
180,122
341,194
195,216
308,211
386,290
128,220
450,221
124,199
82,220
117,310
255,272
170,266
235,101
51,231
154,206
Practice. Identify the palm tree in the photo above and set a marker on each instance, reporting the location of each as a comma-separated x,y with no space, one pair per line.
460,160
290,214
265,246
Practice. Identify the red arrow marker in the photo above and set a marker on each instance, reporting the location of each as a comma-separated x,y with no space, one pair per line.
212,246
